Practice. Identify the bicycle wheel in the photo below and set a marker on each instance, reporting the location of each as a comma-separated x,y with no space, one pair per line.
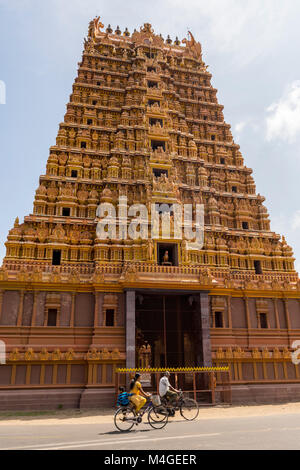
124,419
158,417
189,409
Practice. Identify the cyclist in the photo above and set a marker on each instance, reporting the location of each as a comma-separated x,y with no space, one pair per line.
165,388
138,397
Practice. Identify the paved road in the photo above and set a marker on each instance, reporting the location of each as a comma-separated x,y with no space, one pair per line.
257,432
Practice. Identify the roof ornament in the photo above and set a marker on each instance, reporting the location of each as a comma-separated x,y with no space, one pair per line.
193,47
98,25
147,28
146,35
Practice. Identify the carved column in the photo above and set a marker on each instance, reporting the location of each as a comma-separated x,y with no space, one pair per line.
96,311
276,314
20,311
229,311
130,329
72,317
247,318
247,313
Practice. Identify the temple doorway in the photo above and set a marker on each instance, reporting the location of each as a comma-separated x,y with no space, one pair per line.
167,331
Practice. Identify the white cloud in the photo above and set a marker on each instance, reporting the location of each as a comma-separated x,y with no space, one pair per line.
247,127
238,129
239,126
283,121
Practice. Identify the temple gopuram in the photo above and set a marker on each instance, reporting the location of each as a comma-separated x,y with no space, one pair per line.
143,123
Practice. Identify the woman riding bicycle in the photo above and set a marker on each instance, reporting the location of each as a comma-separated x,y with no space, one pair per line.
139,396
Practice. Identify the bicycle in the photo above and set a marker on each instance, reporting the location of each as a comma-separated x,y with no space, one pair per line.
126,417
187,407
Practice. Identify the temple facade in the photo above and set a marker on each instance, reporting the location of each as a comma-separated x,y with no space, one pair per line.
143,127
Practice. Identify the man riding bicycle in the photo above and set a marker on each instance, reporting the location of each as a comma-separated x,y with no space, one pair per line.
165,388
174,400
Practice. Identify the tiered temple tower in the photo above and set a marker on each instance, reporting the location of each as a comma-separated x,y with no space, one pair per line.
143,122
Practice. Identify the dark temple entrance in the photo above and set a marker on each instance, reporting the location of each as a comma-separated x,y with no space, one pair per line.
174,323
167,324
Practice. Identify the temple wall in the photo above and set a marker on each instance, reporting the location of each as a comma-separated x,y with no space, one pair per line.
294,311
259,359
281,314
256,358
100,310
252,313
27,309
84,309
238,313
75,310
40,309
10,307
121,310
24,385
65,310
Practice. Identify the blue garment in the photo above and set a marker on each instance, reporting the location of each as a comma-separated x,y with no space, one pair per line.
123,399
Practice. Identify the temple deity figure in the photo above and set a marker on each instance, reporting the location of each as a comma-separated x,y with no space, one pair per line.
166,260
150,250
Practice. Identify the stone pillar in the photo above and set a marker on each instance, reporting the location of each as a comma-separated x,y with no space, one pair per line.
96,312
247,319
287,314
130,329
247,313
229,312
72,316
206,342
203,346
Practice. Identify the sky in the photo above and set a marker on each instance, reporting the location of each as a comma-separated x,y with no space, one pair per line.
251,47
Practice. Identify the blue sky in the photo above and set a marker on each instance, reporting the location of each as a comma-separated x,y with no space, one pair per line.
251,46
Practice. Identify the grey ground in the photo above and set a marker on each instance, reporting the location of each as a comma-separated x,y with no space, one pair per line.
256,428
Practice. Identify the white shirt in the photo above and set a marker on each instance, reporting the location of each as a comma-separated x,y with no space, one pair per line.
164,386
